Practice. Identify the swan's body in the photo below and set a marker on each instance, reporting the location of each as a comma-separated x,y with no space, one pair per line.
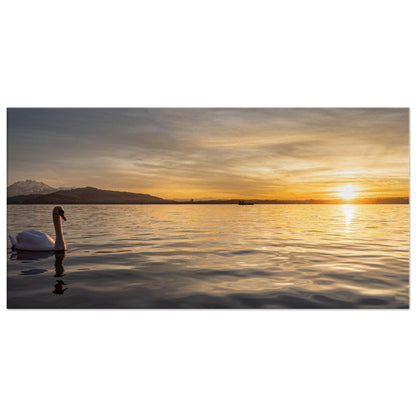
33,240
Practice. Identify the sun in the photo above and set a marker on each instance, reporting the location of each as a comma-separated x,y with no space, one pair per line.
348,192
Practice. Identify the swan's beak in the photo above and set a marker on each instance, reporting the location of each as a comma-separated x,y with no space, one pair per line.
63,217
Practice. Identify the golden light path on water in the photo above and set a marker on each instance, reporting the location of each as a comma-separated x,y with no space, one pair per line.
218,256
348,210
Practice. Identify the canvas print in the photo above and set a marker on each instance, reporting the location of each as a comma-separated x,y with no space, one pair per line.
208,208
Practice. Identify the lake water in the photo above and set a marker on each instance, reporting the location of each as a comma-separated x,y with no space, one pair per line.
224,256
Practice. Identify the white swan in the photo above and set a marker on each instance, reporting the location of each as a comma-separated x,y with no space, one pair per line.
33,240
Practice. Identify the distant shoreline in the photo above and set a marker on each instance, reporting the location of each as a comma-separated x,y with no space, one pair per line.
94,196
212,203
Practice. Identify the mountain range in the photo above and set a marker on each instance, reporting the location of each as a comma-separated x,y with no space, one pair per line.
30,187
86,195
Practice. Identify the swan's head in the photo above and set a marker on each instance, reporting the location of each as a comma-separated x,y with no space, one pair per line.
59,212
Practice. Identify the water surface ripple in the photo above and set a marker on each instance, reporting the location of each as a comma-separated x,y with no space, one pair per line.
224,256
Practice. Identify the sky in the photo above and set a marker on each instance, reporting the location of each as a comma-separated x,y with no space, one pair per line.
195,153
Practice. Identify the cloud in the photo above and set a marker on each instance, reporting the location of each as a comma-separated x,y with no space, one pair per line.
169,152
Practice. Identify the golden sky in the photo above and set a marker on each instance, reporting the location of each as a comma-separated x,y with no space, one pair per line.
215,153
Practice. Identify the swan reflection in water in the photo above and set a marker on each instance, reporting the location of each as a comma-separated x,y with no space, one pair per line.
59,271
59,287
59,267
38,255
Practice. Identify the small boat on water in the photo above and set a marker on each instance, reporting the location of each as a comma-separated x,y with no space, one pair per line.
245,203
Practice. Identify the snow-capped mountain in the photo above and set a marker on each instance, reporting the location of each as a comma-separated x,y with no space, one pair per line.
29,187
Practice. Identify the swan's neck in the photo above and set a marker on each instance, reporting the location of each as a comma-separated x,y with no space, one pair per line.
59,238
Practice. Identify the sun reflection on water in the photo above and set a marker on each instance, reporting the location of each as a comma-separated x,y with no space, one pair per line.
348,211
